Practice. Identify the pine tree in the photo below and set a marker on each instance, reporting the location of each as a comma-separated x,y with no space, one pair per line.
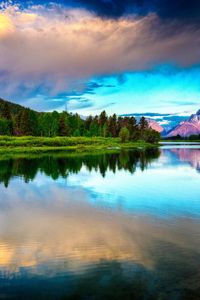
119,125
6,114
54,123
33,123
112,125
63,129
102,118
88,122
143,125
94,127
133,128
25,127
4,127
17,124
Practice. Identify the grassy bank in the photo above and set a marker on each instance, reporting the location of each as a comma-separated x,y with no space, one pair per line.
31,144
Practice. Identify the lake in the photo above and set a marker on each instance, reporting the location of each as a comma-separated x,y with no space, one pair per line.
119,225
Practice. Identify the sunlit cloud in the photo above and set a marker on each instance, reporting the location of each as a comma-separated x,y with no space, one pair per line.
57,50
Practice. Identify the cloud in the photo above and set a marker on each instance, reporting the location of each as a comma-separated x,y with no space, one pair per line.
185,10
96,85
166,120
78,103
179,9
56,50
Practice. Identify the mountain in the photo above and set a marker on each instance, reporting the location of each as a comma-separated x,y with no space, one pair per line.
187,127
155,125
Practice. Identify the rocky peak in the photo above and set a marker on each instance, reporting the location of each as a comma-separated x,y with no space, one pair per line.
187,127
195,117
198,112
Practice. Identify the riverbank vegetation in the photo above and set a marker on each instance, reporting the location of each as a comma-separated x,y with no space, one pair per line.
18,121
33,145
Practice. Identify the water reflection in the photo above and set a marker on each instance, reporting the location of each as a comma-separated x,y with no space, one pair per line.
191,156
62,164
61,239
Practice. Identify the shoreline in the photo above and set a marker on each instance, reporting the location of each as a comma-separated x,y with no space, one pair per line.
37,145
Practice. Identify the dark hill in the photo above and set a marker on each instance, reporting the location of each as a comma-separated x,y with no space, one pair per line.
14,108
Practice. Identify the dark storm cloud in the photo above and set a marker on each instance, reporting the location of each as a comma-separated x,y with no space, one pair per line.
179,9
113,8
185,10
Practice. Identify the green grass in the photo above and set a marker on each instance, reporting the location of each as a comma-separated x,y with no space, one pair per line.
30,144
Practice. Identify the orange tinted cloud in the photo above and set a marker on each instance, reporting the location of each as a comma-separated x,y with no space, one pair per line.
58,48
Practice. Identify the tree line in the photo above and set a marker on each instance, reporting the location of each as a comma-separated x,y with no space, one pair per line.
27,122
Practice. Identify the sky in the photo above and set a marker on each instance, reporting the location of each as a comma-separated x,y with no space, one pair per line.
130,56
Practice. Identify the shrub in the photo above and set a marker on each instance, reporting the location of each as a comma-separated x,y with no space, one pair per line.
124,135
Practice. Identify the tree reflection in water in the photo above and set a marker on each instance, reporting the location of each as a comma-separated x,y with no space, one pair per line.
58,165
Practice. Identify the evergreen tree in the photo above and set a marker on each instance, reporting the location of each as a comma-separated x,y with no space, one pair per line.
143,126
119,124
112,125
63,129
5,113
133,128
102,118
25,126
17,124
104,130
54,123
94,127
88,122
33,121
5,127
151,136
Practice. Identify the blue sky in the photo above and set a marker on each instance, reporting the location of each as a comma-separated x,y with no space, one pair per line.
87,56
163,90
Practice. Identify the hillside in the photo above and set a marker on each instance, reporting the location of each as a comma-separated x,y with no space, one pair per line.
14,108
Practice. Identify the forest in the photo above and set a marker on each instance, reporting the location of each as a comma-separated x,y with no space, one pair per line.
16,120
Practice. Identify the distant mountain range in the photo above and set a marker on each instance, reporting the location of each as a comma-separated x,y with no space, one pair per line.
188,127
184,128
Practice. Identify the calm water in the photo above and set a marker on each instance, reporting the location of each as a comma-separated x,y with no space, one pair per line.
109,226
